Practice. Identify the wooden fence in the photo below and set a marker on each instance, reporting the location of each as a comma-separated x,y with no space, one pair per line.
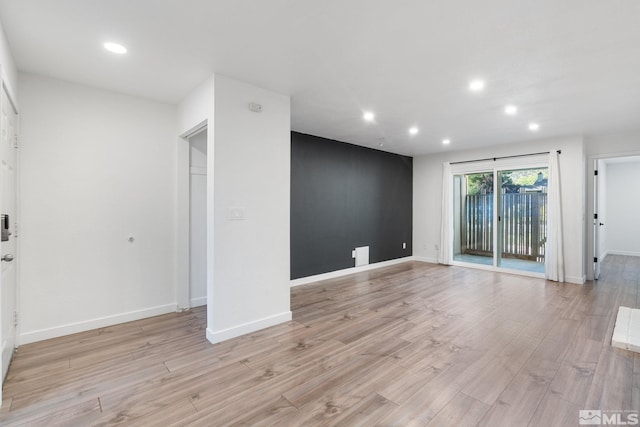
523,222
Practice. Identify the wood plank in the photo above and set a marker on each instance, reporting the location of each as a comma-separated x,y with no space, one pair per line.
461,411
572,382
519,401
409,344
554,411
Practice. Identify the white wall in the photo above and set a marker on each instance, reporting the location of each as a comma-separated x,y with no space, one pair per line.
96,168
198,220
427,194
613,145
197,107
9,70
623,205
251,168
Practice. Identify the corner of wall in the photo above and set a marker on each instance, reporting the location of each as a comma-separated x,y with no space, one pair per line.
8,66
247,328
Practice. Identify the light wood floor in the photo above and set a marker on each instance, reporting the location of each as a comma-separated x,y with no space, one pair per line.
412,344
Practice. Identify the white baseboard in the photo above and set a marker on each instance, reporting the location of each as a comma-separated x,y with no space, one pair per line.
578,280
347,271
197,302
426,259
247,328
625,253
101,322
7,353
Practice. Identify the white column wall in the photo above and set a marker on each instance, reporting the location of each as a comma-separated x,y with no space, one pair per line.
251,166
248,168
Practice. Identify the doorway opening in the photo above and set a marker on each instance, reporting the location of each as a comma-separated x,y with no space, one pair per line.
198,219
615,227
500,218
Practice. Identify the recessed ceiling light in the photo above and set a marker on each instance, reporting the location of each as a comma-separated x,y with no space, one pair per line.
534,127
115,48
413,130
511,110
476,85
368,116
446,141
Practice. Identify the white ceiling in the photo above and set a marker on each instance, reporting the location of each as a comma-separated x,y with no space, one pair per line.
573,66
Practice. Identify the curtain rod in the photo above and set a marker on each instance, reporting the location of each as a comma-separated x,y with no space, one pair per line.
503,157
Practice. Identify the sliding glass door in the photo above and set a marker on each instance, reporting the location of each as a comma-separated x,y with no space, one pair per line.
500,218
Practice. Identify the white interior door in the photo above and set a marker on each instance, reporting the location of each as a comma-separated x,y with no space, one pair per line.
8,156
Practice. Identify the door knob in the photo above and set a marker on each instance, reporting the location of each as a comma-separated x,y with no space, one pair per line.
7,258
602,223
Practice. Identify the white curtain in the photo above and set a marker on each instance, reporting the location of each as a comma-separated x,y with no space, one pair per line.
554,254
446,225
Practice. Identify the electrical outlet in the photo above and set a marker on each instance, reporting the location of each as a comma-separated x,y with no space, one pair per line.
404,245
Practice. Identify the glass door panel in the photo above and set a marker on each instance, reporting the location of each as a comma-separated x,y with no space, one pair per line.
522,230
473,218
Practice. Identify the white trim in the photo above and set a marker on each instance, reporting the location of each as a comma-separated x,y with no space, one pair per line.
195,130
625,253
100,322
10,93
576,280
182,230
7,353
247,328
196,170
197,302
425,259
347,271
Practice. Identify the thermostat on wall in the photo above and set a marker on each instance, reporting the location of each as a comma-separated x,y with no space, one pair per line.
255,107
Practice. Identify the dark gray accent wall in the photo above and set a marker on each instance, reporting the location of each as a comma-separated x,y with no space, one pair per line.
344,196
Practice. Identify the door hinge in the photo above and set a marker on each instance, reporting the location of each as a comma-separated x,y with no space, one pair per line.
15,141
15,318
595,216
595,259
595,173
